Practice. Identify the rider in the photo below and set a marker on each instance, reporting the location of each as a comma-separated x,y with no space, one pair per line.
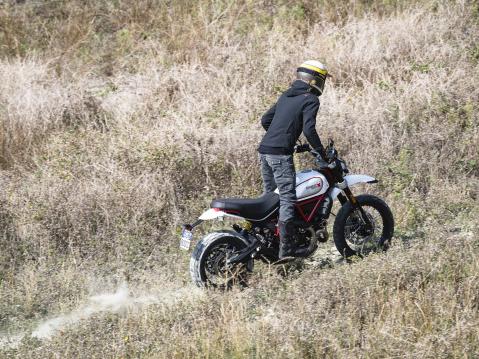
293,113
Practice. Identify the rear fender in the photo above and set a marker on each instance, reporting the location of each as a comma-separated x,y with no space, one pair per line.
352,180
244,239
215,213
208,215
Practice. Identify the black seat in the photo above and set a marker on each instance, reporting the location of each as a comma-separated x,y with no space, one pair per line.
254,209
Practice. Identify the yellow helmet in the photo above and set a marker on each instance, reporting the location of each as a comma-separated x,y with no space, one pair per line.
314,73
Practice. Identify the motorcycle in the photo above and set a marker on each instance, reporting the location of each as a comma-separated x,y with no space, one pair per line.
364,223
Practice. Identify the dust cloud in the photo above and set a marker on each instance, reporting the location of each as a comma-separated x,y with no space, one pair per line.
119,301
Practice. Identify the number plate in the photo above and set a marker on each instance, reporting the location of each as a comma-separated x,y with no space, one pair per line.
185,241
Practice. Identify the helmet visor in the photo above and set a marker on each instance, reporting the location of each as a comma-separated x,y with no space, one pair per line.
319,82
317,79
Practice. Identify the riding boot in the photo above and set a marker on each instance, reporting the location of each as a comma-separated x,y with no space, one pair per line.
286,240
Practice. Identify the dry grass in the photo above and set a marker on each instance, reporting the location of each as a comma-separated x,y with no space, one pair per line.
119,120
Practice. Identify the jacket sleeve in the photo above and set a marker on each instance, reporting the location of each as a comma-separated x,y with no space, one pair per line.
268,117
310,111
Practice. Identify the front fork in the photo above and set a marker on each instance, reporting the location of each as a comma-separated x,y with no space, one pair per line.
348,196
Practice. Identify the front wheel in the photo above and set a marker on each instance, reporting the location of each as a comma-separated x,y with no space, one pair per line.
351,233
208,267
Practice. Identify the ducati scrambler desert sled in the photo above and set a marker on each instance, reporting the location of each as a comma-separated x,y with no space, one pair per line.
363,224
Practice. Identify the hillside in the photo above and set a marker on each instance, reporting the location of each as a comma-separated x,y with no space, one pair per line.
120,120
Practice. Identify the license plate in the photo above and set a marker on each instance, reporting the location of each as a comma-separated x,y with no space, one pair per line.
185,241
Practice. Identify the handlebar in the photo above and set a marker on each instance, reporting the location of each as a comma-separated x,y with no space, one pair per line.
331,159
330,151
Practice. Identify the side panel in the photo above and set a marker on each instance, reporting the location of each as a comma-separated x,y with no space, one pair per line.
352,180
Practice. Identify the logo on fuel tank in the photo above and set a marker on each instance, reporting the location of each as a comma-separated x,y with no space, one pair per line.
316,185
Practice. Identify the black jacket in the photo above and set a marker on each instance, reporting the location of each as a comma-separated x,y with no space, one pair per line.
294,112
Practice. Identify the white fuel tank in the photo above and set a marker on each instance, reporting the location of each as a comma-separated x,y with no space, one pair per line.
310,183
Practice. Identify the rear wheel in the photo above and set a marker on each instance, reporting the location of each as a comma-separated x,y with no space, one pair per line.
352,235
208,267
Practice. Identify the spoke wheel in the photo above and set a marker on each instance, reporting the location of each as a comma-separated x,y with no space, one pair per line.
360,236
218,272
353,235
208,264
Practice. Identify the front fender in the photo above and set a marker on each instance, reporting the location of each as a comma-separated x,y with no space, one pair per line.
352,180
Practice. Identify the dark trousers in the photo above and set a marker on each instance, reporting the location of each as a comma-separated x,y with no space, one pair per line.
278,172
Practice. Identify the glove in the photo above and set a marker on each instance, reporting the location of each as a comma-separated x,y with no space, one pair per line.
322,163
321,151
302,148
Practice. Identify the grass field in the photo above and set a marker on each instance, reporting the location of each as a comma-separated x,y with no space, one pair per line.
120,120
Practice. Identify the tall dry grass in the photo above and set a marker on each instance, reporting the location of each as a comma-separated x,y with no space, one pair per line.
120,120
